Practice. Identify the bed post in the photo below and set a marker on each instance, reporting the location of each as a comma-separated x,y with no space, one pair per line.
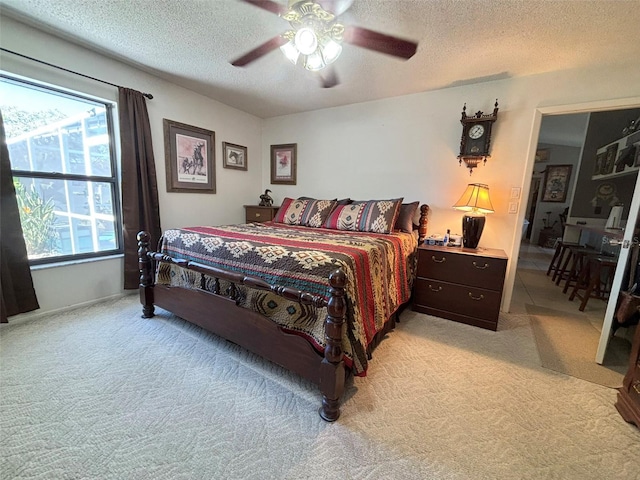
146,275
332,370
422,228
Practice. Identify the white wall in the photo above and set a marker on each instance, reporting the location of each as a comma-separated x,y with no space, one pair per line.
403,146
407,146
58,287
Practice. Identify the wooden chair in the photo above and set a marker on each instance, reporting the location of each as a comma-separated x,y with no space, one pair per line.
595,280
562,249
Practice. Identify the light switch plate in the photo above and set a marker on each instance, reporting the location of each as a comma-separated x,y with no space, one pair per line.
513,207
515,193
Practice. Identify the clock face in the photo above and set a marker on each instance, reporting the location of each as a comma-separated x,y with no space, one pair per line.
476,132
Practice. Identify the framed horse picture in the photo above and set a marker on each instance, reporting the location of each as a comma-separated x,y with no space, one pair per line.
284,164
190,158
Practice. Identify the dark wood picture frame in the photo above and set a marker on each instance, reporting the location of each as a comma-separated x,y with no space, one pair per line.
556,183
190,158
284,164
234,156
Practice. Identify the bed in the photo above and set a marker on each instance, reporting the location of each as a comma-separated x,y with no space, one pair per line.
311,298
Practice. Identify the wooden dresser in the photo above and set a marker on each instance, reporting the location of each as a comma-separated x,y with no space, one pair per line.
628,403
256,213
460,284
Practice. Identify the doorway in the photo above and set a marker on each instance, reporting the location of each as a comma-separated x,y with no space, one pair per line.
532,256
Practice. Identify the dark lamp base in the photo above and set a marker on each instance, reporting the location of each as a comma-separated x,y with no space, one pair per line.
472,230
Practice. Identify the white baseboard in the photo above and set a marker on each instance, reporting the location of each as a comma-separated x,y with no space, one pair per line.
23,317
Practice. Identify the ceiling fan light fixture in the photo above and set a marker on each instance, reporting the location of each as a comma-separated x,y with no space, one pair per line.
290,51
331,50
314,61
306,41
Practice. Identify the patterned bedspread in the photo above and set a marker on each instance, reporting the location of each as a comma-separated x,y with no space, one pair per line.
379,269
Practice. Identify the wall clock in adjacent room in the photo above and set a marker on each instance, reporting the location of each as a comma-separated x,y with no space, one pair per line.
476,137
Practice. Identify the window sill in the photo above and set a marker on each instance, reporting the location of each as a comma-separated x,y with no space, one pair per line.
76,262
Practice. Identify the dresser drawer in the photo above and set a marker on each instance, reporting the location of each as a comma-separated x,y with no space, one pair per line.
458,299
472,270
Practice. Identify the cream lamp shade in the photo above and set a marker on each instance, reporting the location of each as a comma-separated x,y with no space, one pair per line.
475,199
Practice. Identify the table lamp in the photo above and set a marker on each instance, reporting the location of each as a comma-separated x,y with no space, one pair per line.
475,200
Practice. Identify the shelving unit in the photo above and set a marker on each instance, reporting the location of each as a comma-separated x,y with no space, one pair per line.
608,155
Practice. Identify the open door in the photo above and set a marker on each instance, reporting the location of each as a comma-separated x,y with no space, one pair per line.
623,259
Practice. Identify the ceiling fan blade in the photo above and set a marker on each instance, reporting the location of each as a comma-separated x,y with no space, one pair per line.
268,5
365,38
329,78
259,51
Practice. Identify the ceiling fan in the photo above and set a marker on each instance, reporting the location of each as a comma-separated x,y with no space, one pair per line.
315,38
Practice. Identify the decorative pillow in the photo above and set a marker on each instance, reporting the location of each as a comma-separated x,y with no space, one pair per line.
407,212
342,201
376,216
307,213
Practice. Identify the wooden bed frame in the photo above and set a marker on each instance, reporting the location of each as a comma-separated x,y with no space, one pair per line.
218,312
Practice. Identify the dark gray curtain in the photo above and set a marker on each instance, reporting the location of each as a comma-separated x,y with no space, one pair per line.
16,285
140,208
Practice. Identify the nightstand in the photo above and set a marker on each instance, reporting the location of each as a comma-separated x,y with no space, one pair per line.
256,213
460,284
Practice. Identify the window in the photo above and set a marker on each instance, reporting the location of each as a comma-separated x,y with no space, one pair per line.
62,157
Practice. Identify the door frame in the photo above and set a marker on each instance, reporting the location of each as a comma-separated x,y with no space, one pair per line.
567,109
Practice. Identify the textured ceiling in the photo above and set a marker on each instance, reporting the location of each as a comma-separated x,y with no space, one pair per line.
191,42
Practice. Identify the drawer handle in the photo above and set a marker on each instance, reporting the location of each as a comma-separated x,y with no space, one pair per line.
434,289
636,387
438,261
475,298
480,267
257,215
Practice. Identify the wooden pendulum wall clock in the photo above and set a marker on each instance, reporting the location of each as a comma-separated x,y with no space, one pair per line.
476,137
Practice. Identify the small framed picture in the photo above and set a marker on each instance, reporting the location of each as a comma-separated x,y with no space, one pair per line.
542,155
612,152
601,160
234,156
283,164
189,156
556,183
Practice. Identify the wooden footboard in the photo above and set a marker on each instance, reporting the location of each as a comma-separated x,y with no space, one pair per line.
219,313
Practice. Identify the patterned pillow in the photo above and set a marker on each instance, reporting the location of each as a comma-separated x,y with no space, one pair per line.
372,216
404,221
307,213
342,201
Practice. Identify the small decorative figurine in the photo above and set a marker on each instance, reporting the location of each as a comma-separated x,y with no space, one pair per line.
265,199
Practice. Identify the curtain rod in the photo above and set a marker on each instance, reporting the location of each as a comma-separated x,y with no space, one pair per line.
148,95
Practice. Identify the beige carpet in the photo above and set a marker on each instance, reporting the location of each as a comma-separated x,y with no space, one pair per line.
100,393
568,344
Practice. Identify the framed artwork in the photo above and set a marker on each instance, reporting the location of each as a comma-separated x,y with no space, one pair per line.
601,160
543,155
610,160
189,155
234,156
556,183
283,164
